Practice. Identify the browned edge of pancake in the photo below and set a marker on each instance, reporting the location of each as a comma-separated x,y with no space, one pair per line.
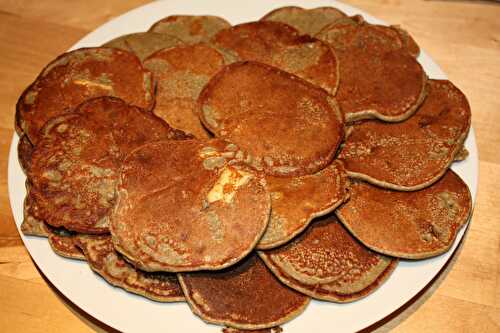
232,324
64,245
374,114
24,151
329,296
117,283
423,255
335,205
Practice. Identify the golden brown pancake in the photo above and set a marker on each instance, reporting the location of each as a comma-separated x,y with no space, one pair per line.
326,262
190,29
74,167
285,126
24,151
63,242
306,21
77,76
180,74
412,225
380,78
105,261
413,154
144,44
280,45
245,296
182,207
276,329
296,201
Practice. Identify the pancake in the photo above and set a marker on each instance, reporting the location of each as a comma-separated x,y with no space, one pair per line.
245,296
24,151
296,201
190,29
380,78
182,207
327,263
144,44
407,41
77,76
280,45
285,126
105,261
413,225
306,21
75,165
63,243
276,329
180,74
413,154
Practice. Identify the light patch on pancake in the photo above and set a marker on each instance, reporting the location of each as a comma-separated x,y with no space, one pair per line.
228,184
52,175
298,58
215,226
184,85
200,301
210,116
30,97
113,268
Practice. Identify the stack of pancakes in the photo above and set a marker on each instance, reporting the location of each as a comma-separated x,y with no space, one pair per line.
245,169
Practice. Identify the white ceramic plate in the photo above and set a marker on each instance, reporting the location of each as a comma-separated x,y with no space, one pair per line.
131,313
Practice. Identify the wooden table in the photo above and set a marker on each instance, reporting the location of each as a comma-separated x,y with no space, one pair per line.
463,37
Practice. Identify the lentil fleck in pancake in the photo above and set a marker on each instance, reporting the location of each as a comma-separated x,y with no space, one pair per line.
380,78
296,201
76,76
190,29
180,74
144,44
306,21
412,225
287,126
63,242
75,165
182,206
413,154
105,261
279,45
326,262
245,296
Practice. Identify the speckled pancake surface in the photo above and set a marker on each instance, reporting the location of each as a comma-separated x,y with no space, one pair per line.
190,29
379,77
412,225
77,76
286,125
278,44
143,44
296,201
183,206
105,261
326,262
412,154
75,165
306,21
245,296
180,74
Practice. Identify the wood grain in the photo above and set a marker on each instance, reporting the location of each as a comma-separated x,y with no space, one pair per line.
463,37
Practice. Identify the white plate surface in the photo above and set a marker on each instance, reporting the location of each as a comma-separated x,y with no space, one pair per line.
131,313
